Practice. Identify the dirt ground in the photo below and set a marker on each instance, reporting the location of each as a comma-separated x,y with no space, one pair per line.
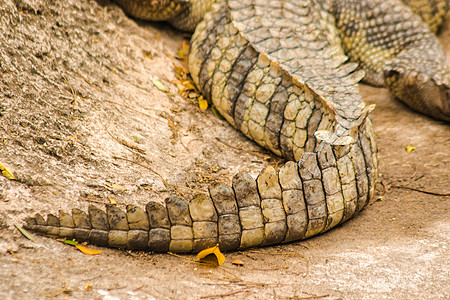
81,121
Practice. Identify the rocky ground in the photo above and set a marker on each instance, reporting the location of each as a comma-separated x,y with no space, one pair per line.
82,121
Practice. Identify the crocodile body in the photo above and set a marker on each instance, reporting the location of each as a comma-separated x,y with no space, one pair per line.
277,71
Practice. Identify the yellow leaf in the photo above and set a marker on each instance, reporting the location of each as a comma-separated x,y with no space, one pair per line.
202,103
7,172
213,250
238,262
112,200
188,85
409,149
88,286
181,71
88,251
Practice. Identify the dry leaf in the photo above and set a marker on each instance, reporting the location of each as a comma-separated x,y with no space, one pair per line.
189,85
182,53
159,85
112,200
193,95
238,262
202,103
88,251
409,149
6,171
116,186
185,87
88,286
180,71
213,250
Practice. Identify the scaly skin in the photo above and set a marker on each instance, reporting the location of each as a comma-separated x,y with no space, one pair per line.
432,12
400,52
276,71
183,14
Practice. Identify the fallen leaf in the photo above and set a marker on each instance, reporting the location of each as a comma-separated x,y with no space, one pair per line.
193,95
12,253
189,85
116,186
69,242
186,87
24,232
159,85
6,171
238,262
88,286
409,149
202,103
182,53
88,251
112,200
180,71
213,250
217,113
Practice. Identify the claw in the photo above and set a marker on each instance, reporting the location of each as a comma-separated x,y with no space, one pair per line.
422,84
421,93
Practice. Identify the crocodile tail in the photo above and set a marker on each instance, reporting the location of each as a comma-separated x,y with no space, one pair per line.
298,201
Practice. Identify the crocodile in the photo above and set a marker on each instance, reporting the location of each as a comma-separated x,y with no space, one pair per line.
285,74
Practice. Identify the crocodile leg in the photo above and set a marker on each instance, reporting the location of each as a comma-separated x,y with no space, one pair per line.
402,53
183,14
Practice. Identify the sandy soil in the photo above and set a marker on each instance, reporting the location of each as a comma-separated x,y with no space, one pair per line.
81,121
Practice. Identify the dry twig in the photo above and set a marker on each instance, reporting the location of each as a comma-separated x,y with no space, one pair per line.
421,191
63,290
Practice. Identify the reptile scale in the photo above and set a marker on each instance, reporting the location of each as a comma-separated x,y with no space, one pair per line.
285,74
